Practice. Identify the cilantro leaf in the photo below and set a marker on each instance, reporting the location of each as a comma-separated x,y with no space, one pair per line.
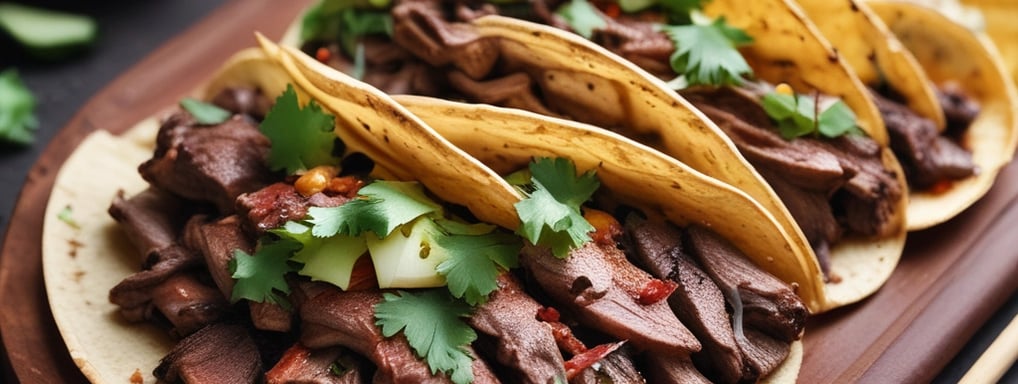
837,120
260,276
796,116
17,109
550,214
302,138
381,207
432,322
582,17
473,263
347,21
707,54
205,113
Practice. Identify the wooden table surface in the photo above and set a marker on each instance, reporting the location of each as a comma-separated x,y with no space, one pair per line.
951,279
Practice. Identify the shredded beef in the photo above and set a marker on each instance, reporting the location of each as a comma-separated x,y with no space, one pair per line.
333,317
602,287
617,367
219,353
698,302
300,364
927,157
243,101
768,304
208,163
151,219
830,186
172,289
959,108
522,345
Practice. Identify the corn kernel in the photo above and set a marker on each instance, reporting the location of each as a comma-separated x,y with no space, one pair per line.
315,180
784,89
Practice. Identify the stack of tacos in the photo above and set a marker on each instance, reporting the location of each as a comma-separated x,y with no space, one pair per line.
299,224
250,255
790,78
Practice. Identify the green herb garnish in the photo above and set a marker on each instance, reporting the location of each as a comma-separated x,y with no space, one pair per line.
582,17
17,109
260,277
798,115
550,214
65,216
302,138
706,53
205,113
432,322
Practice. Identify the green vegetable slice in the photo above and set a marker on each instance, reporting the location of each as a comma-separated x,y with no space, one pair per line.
47,34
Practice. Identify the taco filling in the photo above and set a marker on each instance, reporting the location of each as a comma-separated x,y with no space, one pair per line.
931,160
251,257
828,174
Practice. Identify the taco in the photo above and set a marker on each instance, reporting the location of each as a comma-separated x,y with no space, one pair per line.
462,52
237,200
970,75
951,133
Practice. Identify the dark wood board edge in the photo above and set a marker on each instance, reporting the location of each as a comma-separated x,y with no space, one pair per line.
33,346
38,355
967,266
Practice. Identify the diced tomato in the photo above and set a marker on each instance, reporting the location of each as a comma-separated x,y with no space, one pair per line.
565,339
584,360
323,54
656,290
610,8
345,186
548,314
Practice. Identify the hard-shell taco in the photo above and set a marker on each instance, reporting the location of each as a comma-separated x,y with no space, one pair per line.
460,51
266,229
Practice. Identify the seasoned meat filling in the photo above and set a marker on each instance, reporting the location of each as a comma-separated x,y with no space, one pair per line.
187,283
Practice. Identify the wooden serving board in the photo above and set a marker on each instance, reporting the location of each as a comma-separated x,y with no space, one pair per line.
950,280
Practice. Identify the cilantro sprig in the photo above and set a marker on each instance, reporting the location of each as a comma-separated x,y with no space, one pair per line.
260,277
550,214
302,138
706,52
798,115
17,109
432,322
582,17
380,207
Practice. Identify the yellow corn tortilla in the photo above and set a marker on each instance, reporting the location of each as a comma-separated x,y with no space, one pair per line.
874,53
86,255
788,48
658,116
83,260
949,52
633,174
